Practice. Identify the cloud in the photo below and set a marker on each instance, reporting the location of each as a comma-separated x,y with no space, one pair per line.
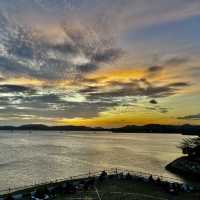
89,89
155,69
56,104
2,79
85,68
141,87
29,51
89,81
158,109
16,89
177,61
10,65
58,43
107,55
191,117
21,45
163,110
153,101
179,84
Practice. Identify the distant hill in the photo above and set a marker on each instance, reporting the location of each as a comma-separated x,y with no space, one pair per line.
50,128
149,128
158,128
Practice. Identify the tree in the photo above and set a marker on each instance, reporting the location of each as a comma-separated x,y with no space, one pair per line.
191,146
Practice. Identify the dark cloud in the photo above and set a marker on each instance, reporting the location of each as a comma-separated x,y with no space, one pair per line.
158,109
12,66
66,110
177,61
91,80
97,98
107,55
191,117
89,89
43,98
163,110
153,101
65,47
15,89
87,67
154,69
158,91
179,84
44,104
140,87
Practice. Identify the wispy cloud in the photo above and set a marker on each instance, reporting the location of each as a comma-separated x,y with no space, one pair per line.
191,117
29,52
79,59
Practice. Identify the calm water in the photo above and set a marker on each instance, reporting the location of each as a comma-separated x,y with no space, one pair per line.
26,158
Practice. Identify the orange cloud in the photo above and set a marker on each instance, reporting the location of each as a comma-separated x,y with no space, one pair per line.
119,74
24,81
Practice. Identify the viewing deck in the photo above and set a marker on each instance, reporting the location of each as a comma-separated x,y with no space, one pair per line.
108,185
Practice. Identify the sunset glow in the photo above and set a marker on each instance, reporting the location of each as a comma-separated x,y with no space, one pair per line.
96,63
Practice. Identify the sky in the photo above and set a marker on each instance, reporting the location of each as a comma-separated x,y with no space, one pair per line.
99,63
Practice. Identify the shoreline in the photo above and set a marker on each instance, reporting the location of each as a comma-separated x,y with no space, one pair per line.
94,132
185,167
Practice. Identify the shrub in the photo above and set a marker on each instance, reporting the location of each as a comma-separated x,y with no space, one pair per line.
191,146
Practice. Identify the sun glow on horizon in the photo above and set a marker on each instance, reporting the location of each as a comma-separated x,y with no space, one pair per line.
86,64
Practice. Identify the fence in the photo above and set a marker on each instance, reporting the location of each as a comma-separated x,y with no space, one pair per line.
91,174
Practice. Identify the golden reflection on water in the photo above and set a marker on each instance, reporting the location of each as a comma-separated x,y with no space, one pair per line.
26,158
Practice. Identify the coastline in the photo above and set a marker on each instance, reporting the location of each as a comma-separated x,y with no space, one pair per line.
185,167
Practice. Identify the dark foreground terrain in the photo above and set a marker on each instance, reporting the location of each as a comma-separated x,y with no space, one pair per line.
186,167
115,186
129,190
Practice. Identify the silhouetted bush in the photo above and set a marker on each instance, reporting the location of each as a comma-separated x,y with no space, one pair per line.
102,176
191,146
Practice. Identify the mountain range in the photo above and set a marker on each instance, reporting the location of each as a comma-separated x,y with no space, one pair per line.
149,128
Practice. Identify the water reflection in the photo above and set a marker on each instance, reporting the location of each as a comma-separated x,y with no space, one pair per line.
26,158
